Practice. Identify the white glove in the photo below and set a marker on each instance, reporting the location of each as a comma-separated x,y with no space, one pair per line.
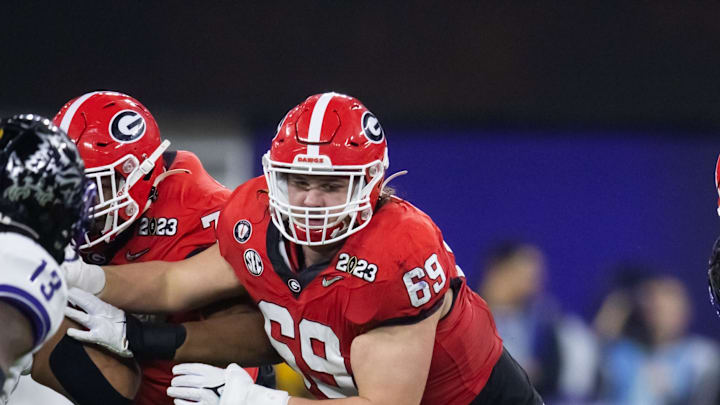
200,384
21,366
89,277
106,324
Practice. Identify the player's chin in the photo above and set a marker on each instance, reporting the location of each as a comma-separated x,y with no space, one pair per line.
122,373
315,226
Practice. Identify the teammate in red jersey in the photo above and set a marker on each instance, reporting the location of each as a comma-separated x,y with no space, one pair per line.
153,204
359,292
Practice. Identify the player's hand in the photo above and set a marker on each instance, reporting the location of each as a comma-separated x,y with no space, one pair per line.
88,277
20,367
201,384
107,324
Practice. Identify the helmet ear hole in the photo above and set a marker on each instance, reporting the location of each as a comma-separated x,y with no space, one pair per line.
128,167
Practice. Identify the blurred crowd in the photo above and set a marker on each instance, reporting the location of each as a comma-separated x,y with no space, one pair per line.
637,350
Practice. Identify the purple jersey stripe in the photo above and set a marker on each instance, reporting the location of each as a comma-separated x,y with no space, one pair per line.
31,307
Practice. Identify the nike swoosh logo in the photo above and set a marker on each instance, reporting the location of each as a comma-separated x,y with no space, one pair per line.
134,256
218,390
328,282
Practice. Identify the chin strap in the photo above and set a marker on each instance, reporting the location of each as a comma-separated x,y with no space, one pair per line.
147,165
157,181
394,175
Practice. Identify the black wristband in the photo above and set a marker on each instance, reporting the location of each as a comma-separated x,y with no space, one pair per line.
154,340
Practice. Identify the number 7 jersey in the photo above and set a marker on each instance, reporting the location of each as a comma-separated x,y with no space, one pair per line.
396,271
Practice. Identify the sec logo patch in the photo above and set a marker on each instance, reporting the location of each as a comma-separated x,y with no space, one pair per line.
253,262
242,231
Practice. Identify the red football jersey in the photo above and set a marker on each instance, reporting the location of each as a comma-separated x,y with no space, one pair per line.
395,271
180,223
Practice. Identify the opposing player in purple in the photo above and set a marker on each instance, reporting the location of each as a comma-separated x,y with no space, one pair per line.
44,203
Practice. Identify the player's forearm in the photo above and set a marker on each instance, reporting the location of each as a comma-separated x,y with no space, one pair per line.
349,401
238,338
342,401
172,286
139,287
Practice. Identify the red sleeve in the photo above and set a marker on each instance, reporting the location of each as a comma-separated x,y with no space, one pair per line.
411,281
247,201
226,222
203,193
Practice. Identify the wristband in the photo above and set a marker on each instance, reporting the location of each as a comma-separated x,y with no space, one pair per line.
154,340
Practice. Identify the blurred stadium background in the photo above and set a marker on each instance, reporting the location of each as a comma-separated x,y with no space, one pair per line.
589,129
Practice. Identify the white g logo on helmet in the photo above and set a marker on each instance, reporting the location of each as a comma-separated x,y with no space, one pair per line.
127,126
372,128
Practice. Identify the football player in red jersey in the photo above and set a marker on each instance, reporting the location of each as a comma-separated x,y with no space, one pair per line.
359,292
154,204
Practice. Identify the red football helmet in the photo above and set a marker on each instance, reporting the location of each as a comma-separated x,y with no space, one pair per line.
328,134
120,143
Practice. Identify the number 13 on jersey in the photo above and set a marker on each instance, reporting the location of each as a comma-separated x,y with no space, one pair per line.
48,282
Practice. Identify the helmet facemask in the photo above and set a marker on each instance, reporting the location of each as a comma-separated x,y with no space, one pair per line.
115,202
329,135
302,224
115,208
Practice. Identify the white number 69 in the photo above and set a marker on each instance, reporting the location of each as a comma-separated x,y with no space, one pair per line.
419,291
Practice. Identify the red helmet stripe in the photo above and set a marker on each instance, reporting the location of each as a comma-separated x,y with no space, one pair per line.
316,120
70,113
